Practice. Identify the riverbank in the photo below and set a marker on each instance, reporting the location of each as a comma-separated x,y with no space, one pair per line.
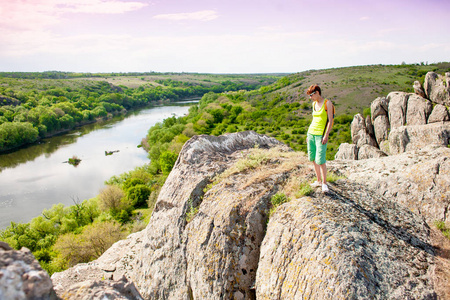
35,178
108,117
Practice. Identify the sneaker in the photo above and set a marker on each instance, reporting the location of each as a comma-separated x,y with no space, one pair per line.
316,184
325,188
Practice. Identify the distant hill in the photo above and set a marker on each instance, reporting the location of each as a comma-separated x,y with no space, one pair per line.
283,111
353,88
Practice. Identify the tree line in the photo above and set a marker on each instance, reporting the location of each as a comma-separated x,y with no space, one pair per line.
31,110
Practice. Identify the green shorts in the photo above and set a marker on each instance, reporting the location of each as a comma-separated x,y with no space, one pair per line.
316,150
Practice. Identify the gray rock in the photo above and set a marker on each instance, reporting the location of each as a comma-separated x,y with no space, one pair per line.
418,179
368,151
369,127
21,276
436,89
352,244
397,108
439,114
381,128
358,124
103,289
418,89
384,146
347,151
418,110
447,82
407,138
359,132
378,107
208,237
157,259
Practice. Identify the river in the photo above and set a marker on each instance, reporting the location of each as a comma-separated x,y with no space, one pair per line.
36,178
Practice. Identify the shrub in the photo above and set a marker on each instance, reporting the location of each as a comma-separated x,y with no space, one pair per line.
138,195
132,181
167,160
111,198
93,241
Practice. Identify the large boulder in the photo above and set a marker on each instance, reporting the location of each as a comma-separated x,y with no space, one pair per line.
360,133
347,151
21,276
439,114
352,244
407,138
369,127
381,128
102,290
204,259
368,151
380,119
418,110
418,180
379,107
397,108
436,88
418,89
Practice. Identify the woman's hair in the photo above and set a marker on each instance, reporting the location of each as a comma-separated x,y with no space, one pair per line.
314,88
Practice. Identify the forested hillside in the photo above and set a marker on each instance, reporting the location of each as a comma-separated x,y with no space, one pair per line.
36,105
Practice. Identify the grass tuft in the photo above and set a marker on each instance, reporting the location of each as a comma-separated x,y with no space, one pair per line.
333,177
443,228
276,201
192,211
305,190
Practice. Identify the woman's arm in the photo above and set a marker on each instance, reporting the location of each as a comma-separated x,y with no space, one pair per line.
329,123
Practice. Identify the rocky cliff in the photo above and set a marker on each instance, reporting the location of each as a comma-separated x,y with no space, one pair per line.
211,235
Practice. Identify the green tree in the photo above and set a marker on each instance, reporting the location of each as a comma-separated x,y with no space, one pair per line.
138,195
167,160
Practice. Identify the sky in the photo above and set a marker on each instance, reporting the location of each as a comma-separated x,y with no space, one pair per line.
219,36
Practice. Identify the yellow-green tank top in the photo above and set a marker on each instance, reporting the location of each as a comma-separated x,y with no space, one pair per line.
319,120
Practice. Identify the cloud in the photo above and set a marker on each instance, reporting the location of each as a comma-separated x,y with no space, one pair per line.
365,18
204,15
38,14
99,6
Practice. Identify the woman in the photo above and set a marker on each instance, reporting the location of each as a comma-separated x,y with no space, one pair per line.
318,132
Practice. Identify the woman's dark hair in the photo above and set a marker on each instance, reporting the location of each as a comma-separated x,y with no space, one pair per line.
314,88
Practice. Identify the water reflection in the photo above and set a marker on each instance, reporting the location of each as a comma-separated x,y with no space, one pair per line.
35,178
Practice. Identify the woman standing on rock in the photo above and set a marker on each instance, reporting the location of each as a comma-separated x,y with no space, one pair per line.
318,132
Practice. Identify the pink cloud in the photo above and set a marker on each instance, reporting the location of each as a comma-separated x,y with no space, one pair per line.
204,15
39,14
99,6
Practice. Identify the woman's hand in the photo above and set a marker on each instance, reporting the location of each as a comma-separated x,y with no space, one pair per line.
325,139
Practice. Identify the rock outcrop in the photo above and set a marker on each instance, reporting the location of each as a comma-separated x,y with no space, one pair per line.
352,244
387,129
418,89
209,238
21,276
360,131
347,151
439,114
408,138
437,88
174,259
